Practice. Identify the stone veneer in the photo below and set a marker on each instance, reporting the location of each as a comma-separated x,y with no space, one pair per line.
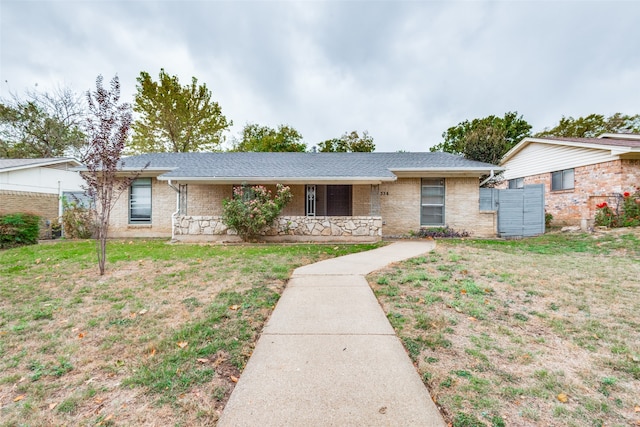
294,227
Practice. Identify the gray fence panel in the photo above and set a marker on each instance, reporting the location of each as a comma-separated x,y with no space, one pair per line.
533,219
510,213
520,211
489,199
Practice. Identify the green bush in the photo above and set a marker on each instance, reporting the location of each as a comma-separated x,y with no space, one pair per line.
252,209
628,216
18,229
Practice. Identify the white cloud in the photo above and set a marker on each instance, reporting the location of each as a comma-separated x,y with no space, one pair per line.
404,70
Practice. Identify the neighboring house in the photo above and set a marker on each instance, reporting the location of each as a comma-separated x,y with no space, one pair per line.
35,185
578,173
336,196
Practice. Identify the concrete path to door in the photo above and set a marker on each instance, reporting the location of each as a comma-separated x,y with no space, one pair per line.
329,357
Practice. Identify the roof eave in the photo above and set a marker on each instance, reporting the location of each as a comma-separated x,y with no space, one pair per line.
276,180
149,171
456,172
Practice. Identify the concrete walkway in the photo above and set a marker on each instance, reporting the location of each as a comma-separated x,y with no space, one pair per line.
329,357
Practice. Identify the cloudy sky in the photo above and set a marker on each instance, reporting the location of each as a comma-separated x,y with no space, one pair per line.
403,70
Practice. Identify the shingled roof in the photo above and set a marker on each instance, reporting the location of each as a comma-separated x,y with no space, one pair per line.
13,164
303,167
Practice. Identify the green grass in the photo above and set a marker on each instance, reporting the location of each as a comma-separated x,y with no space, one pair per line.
521,322
554,244
167,320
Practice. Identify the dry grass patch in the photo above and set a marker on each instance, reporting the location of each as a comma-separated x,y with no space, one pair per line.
541,331
159,340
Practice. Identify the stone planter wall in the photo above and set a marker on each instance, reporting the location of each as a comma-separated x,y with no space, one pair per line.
325,226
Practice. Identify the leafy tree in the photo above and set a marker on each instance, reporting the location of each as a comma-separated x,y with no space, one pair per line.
175,118
593,126
108,128
42,124
499,134
349,142
487,144
264,138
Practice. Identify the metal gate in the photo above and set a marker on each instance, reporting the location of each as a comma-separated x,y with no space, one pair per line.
520,211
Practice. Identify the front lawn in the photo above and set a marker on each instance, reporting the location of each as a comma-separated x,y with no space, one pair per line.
534,332
159,340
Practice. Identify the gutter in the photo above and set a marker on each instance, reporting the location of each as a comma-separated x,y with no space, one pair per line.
173,215
491,175
281,180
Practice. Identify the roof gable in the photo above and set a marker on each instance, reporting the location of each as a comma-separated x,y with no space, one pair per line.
615,144
7,165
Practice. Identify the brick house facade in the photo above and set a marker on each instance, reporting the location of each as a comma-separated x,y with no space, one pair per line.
188,208
400,208
36,185
602,169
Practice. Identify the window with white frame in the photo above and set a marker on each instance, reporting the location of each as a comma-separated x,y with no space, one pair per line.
432,201
140,201
562,180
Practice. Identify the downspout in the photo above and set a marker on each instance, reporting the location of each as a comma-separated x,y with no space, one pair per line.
491,175
60,205
173,215
60,212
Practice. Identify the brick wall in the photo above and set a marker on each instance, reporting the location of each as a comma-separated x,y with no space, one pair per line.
400,207
297,204
462,208
592,184
630,175
205,199
42,204
163,204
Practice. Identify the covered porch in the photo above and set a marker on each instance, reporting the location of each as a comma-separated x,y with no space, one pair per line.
319,212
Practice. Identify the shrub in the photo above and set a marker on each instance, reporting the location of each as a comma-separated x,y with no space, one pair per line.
441,232
18,229
547,219
605,217
252,209
629,215
77,220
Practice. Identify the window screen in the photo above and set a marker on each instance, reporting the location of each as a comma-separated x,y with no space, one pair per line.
432,202
516,183
562,180
140,201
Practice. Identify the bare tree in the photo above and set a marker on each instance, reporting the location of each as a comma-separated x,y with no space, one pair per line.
108,126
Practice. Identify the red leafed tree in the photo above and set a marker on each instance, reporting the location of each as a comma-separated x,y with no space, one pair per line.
107,130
